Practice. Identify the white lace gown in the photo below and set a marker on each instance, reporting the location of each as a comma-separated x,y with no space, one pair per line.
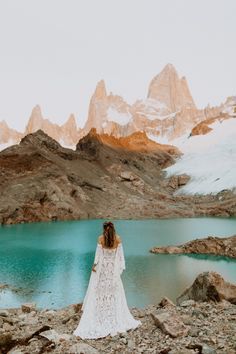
105,310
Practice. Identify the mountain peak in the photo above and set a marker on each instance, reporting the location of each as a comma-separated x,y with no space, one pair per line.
35,121
40,139
100,91
170,68
71,121
37,111
168,88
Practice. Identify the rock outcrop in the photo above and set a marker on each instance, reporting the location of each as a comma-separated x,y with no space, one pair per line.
204,127
217,246
209,286
40,181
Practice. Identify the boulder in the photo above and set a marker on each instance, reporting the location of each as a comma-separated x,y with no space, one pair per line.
4,313
54,336
165,302
187,303
83,348
171,324
28,307
127,175
15,351
6,342
181,351
209,286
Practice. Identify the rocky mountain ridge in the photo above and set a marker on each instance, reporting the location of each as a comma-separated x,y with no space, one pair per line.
104,177
168,112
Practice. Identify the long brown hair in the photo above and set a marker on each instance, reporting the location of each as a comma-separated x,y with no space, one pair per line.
109,234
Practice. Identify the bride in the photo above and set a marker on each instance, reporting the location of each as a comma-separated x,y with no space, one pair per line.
105,310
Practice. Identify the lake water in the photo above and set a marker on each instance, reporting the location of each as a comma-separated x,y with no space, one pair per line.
50,263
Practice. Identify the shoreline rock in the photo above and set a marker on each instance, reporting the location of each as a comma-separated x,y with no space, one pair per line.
209,286
225,246
190,327
186,328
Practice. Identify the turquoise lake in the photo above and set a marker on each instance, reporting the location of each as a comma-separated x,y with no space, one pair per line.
50,263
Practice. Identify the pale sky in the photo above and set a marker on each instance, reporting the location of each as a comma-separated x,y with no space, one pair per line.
53,52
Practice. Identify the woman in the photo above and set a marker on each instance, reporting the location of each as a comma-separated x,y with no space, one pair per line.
105,310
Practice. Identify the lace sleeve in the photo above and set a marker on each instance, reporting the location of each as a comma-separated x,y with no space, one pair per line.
121,258
97,254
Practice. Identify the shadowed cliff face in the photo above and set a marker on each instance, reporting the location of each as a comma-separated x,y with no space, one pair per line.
104,177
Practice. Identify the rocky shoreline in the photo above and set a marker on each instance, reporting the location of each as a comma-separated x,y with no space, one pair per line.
217,246
190,327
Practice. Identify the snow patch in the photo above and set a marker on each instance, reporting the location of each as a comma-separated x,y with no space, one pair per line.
230,106
118,117
158,138
210,160
154,109
67,146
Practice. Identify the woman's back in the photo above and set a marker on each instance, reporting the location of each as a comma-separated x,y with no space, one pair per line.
105,309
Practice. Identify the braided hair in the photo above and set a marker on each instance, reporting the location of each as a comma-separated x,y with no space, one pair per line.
109,234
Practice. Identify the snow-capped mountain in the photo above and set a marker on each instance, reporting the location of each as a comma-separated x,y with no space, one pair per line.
168,111
209,154
166,114
108,114
66,134
170,90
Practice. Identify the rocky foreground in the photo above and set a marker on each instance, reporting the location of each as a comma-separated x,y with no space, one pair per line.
104,177
211,245
190,327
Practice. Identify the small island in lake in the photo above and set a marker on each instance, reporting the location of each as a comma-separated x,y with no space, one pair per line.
211,245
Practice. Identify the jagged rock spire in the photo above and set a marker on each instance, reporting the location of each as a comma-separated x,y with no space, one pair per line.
167,87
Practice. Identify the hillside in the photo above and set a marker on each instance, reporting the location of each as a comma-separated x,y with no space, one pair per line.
103,178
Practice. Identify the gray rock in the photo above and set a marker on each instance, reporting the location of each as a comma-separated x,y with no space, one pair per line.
181,351
194,332
187,303
127,175
4,313
207,350
123,340
54,336
83,348
15,351
131,344
171,324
